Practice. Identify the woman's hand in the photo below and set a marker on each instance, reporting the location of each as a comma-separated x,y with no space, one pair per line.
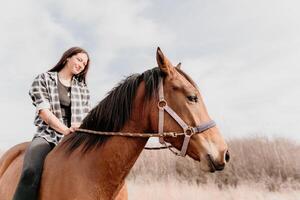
67,131
74,127
48,117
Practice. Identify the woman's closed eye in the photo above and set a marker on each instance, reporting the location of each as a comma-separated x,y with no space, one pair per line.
81,60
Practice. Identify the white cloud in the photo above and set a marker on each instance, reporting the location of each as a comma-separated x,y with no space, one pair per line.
243,54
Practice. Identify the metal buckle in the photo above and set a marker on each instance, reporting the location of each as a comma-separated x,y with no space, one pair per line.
162,104
189,131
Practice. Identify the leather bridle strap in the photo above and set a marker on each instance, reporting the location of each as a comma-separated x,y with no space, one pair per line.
188,131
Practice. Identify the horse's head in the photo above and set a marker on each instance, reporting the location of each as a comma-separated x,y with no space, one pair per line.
183,97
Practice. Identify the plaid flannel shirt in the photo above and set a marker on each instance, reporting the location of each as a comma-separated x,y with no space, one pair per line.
44,95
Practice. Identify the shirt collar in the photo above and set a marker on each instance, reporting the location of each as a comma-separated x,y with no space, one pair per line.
54,75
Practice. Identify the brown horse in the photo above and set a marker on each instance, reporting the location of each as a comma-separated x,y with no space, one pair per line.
88,166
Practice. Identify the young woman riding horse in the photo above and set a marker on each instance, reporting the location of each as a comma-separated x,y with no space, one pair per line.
61,99
90,166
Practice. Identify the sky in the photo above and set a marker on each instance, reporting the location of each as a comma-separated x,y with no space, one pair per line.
244,55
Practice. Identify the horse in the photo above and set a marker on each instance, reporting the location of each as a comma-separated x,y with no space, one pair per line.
90,166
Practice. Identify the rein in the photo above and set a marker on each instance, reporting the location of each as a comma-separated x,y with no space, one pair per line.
145,135
188,131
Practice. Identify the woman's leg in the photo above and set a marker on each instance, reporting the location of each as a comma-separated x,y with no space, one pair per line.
32,169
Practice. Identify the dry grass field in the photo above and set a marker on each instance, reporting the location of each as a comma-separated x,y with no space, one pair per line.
175,190
259,169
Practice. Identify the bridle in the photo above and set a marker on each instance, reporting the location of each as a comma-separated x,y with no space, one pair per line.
188,131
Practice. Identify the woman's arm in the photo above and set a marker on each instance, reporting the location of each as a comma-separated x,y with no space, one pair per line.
40,99
47,116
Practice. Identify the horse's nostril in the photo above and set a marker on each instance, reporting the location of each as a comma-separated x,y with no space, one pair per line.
227,156
220,167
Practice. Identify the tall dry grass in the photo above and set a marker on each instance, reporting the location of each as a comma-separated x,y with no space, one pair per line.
274,165
175,190
259,168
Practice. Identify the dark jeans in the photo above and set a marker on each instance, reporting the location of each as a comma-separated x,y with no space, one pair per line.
35,155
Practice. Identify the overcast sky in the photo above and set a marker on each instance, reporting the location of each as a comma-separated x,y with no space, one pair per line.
244,55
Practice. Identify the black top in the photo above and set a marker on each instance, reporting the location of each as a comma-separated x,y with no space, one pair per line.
64,94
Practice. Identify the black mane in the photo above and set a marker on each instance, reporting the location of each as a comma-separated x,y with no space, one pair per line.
114,110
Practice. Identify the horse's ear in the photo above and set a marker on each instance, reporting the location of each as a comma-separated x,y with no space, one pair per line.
163,63
178,66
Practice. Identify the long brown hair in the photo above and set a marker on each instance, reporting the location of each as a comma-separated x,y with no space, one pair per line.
63,60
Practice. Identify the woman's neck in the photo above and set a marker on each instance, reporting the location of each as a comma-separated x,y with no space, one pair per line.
65,76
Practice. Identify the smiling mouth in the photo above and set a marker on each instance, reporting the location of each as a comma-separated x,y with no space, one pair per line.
77,69
211,164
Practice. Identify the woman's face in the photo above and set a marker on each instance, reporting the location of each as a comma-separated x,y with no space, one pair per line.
77,63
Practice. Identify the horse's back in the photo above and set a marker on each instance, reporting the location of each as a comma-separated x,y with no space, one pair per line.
10,168
11,163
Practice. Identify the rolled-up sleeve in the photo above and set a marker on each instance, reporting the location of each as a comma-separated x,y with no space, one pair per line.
39,93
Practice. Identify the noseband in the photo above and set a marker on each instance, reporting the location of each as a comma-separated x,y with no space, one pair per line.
188,131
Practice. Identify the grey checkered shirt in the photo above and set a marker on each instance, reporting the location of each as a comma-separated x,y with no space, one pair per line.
44,95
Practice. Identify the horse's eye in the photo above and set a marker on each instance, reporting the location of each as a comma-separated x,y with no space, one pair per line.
192,98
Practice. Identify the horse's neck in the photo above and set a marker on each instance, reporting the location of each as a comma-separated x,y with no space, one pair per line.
116,157
112,162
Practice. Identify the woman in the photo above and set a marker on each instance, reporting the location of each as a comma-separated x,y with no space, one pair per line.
61,98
